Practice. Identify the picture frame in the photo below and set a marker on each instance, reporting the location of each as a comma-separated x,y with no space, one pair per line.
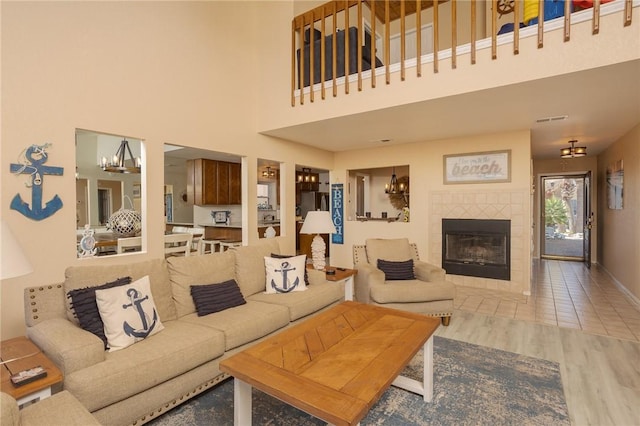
137,190
477,167
615,189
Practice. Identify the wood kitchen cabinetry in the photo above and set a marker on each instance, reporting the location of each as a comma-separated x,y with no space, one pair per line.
211,182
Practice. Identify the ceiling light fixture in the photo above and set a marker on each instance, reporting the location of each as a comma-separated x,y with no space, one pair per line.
118,163
573,151
268,173
393,187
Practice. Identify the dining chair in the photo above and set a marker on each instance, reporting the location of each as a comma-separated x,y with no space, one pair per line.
178,244
129,244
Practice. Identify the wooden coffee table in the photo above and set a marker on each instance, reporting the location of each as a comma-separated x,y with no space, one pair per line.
336,365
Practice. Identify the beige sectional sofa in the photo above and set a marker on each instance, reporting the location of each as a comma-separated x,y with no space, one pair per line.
142,381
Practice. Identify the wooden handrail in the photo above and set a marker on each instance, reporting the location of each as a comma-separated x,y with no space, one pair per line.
363,42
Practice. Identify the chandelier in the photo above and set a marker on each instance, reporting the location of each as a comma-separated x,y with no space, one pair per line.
119,163
573,151
393,187
268,173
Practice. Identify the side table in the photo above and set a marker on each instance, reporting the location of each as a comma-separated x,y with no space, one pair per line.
345,275
20,354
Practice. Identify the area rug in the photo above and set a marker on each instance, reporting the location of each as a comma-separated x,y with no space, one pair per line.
473,385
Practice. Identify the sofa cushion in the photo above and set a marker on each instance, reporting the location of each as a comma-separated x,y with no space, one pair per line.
85,309
249,264
395,249
83,276
245,323
285,275
411,291
402,270
186,271
303,303
180,348
129,313
216,297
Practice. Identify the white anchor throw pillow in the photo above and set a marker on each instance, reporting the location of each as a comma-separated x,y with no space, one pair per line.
285,275
129,313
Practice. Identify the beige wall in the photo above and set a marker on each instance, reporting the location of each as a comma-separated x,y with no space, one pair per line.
619,230
426,173
164,72
558,166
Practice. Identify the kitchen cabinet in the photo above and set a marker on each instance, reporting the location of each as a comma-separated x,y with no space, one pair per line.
211,182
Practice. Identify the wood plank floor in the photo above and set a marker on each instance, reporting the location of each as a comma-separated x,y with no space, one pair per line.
600,372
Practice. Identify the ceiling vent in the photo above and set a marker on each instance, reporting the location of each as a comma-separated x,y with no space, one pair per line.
549,119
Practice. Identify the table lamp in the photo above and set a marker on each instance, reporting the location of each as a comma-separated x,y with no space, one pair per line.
13,261
318,222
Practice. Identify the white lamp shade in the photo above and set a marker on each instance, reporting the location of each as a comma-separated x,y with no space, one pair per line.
13,261
318,222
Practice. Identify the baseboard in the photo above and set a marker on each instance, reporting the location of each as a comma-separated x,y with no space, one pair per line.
632,298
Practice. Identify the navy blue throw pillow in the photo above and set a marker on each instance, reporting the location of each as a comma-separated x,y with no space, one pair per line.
397,270
216,297
85,308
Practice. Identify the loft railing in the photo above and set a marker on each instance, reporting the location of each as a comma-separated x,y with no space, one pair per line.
327,46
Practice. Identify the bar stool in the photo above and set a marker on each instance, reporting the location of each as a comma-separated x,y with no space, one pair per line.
202,246
229,244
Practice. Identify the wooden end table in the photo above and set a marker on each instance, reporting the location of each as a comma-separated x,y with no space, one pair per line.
20,354
343,274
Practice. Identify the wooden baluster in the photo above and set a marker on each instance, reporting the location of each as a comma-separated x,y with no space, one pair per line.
516,27
494,29
419,38
312,58
454,32
323,54
360,30
540,24
627,12
473,31
302,61
373,43
334,56
293,62
346,47
567,21
596,17
387,41
403,53
435,36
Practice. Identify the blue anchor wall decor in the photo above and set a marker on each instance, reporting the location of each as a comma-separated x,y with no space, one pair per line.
36,156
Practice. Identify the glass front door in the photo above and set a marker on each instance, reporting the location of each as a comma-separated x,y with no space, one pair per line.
563,215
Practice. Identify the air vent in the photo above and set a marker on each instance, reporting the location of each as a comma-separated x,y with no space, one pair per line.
549,119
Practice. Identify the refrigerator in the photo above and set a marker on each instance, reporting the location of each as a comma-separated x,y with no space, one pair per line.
312,200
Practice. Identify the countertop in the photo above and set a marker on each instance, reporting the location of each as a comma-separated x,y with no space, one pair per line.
221,225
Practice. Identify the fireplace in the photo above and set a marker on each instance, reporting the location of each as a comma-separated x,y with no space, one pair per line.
477,248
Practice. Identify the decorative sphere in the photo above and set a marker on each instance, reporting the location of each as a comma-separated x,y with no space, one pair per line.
125,223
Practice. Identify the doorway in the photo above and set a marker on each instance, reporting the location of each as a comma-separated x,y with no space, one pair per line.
566,215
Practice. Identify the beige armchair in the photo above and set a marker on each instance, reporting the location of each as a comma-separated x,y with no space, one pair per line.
60,409
428,292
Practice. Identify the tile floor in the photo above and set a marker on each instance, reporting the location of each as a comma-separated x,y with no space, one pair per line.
563,293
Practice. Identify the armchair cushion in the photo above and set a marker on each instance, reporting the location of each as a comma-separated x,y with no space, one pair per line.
397,249
397,270
411,291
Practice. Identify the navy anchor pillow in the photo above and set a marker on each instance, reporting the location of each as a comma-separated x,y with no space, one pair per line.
129,313
285,275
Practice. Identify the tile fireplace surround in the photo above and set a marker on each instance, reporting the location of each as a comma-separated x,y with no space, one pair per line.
511,204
